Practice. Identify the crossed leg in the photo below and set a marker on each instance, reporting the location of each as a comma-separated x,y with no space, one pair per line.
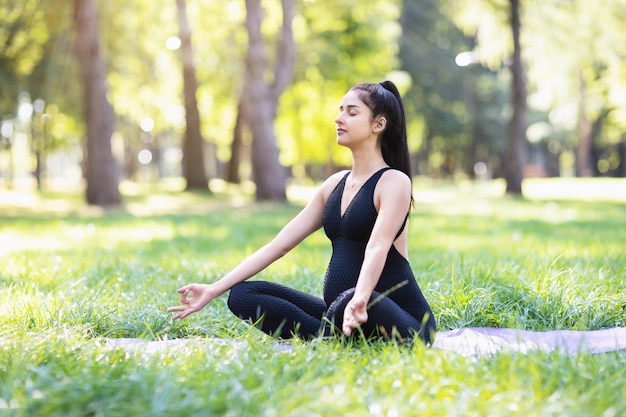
278,310
284,312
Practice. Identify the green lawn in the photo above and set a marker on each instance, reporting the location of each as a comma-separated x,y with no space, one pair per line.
72,276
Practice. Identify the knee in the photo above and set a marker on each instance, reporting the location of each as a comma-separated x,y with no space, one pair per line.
239,297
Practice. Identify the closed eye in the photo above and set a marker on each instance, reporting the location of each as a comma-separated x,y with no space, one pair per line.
351,108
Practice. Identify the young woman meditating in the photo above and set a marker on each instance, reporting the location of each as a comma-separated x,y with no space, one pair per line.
369,287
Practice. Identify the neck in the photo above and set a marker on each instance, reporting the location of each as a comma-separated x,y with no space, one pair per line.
366,163
363,169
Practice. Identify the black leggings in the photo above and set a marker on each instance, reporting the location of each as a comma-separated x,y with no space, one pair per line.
284,312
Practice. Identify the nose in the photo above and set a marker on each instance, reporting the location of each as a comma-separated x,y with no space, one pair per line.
338,119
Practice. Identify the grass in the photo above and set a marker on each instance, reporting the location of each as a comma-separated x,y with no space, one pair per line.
71,276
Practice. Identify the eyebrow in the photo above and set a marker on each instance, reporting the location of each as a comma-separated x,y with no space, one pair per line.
349,106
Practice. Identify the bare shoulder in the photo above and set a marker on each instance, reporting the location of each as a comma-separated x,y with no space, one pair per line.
393,193
396,181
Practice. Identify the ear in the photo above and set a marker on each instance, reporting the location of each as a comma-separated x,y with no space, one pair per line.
379,124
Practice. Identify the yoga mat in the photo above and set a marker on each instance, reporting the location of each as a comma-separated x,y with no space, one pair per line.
481,341
471,341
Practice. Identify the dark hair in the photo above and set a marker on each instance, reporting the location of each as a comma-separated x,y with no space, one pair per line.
384,100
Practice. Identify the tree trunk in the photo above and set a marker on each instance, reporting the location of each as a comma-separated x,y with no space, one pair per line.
423,156
270,176
589,130
596,132
476,133
38,142
232,172
583,167
193,144
515,155
101,168
621,151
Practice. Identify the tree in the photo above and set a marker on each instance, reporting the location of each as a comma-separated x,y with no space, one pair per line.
232,171
193,145
25,30
101,168
497,43
574,58
515,156
596,56
260,100
23,36
453,100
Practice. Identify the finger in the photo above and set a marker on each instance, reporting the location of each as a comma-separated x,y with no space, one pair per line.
177,308
183,313
184,296
362,317
185,289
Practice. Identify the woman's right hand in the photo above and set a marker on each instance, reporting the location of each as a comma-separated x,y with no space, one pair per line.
202,294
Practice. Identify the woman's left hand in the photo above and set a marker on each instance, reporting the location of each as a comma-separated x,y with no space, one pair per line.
354,315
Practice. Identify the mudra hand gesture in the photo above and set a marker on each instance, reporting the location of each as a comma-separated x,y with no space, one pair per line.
201,295
354,315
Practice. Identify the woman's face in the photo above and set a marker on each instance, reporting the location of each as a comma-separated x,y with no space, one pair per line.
354,123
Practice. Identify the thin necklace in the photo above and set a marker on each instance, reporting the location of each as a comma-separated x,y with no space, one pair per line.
354,183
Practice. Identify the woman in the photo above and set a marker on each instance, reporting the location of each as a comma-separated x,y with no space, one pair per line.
369,285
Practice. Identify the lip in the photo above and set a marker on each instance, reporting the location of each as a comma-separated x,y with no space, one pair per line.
340,130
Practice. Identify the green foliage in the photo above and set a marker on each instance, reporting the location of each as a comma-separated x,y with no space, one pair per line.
357,42
456,115
573,60
72,276
23,35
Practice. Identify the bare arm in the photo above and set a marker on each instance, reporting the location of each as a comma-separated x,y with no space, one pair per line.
306,222
393,195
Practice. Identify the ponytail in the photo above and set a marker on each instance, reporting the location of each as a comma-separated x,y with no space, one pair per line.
384,100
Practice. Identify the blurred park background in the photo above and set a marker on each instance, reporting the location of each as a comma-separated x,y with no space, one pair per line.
127,104
210,92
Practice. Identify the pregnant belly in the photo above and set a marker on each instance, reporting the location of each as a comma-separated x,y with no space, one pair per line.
343,268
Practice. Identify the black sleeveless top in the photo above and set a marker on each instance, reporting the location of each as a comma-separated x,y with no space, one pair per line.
349,235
